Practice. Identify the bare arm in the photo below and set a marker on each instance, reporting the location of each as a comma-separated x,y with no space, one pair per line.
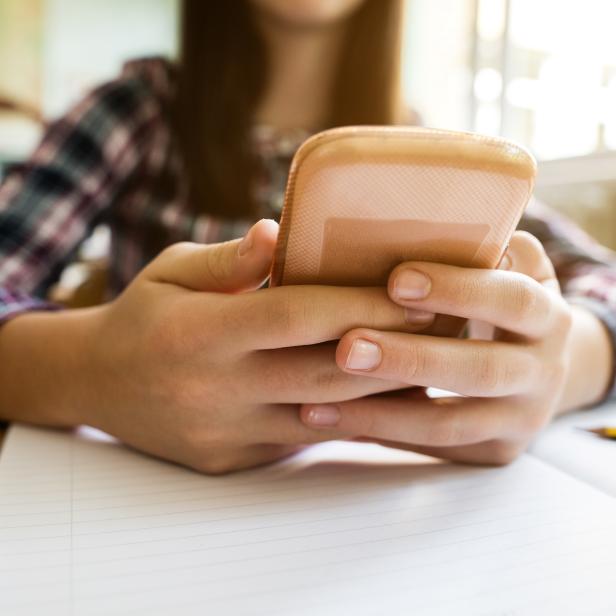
43,376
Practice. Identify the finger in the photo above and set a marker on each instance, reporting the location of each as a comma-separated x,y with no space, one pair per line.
527,255
280,424
309,314
508,300
524,255
467,367
440,422
495,452
305,374
228,267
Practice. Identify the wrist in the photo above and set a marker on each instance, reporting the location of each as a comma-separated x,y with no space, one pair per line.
590,365
45,378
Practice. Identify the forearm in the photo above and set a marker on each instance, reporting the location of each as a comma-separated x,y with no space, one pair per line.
43,373
591,362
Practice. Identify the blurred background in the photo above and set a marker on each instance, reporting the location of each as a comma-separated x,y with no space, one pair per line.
542,72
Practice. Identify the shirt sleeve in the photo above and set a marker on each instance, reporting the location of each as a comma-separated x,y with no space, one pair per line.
586,270
49,205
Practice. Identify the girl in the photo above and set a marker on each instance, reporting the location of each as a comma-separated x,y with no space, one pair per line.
190,359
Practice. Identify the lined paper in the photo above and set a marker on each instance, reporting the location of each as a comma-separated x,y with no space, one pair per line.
583,455
90,527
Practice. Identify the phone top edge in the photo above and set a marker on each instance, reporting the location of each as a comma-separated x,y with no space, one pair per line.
424,144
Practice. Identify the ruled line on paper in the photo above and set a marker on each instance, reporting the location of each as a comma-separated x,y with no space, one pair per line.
320,533
254,528
273,490
399,552
234,505
437,582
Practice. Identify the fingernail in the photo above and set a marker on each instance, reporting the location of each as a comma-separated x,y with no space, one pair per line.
245,245
505,263
323,415
418,317
364,355
411,284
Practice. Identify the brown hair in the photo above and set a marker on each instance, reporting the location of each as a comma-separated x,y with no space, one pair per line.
223,73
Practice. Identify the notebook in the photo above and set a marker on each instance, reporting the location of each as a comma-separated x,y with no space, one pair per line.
567,446
88,526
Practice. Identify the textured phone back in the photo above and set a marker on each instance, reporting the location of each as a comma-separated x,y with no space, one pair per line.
360,200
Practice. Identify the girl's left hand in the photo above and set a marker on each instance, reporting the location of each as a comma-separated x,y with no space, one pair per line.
511,382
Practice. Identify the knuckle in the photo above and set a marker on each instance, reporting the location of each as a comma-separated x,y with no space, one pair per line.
370,310
529,242
169,252
327,379
494,376
174,251
208,449
218,464
302,318
447,430
199,426
291,313
525,301
361,417
365,418
469,290
563,317
501,453
217,265
411,364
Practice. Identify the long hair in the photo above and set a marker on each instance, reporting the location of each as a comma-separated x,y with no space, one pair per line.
223,73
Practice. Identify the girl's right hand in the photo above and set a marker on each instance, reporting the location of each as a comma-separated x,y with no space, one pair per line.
196,364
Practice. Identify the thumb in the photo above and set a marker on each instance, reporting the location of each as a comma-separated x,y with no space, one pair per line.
229,267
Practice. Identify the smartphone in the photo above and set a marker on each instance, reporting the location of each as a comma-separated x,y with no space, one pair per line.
362,199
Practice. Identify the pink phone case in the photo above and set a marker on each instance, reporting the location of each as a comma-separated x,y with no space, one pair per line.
360,200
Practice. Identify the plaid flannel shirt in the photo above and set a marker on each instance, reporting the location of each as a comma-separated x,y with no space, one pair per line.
113,159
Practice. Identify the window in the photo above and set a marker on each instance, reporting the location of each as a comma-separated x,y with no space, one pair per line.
545,74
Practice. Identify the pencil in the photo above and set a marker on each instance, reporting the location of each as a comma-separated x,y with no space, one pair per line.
608,432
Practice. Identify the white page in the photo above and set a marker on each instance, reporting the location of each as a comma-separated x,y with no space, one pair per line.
581,454
94,528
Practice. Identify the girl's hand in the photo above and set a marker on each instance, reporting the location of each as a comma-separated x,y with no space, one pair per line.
184,366
511,380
